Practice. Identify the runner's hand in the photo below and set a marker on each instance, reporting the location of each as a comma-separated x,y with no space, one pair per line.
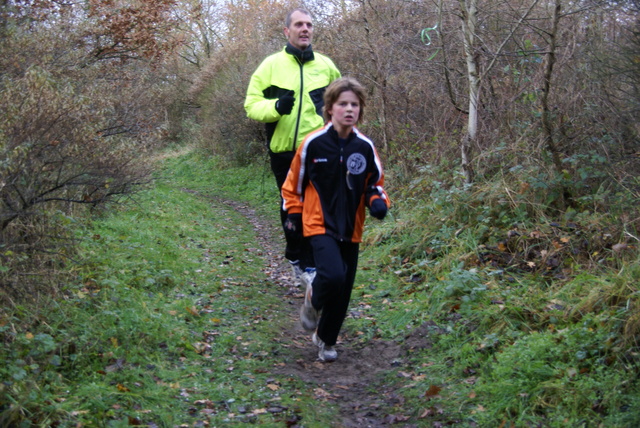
378,208
284,105
293,226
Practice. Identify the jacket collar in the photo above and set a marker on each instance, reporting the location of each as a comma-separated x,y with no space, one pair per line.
303,56
331,130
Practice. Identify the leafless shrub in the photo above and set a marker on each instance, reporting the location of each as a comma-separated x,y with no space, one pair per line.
76,127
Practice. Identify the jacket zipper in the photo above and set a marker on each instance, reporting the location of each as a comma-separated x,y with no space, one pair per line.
341,188
295,134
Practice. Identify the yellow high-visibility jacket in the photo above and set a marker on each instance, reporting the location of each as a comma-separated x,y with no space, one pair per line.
307,74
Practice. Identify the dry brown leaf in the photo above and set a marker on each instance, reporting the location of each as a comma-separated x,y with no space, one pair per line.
433,391
619,247
428,413
319,392
193,311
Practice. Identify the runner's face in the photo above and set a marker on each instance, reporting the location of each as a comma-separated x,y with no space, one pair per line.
300,30
345,112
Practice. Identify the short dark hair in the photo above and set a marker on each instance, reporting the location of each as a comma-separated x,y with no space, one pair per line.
287,20
339,86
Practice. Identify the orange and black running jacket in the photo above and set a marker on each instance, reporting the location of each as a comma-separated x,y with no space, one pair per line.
331,182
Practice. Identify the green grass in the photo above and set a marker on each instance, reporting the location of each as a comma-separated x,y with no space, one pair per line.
169,321
506,347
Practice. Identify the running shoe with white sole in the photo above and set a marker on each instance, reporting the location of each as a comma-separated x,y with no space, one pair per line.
325,353
306,277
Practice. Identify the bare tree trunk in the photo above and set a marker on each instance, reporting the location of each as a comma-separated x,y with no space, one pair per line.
469,20
469,9
445,60
547,126
380,81
547,123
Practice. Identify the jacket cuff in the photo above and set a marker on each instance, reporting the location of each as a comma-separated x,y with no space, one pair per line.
384,199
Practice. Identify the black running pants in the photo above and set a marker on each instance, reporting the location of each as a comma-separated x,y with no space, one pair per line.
336,264
295,249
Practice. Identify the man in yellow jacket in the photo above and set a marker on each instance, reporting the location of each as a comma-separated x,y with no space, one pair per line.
286,93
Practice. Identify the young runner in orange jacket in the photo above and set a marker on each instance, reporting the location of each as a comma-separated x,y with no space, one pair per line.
335,174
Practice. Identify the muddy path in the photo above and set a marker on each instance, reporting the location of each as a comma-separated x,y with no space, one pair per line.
353,383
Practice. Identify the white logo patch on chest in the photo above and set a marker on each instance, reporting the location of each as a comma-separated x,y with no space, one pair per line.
356,164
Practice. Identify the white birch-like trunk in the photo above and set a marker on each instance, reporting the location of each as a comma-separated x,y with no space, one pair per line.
469,19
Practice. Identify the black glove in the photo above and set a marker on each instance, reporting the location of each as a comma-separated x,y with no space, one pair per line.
378,208
284,105
293,226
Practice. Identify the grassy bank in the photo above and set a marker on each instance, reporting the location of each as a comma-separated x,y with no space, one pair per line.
170,320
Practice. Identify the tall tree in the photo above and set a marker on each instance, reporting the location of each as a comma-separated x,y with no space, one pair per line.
546,116
476,75
469,16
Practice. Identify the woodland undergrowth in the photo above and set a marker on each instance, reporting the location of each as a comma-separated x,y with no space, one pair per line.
528,316
534,312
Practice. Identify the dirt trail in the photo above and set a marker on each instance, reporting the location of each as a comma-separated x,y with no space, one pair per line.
353,381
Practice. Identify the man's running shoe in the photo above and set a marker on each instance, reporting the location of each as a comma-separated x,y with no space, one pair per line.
325,353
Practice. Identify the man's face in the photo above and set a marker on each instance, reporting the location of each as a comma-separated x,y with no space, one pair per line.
300,30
